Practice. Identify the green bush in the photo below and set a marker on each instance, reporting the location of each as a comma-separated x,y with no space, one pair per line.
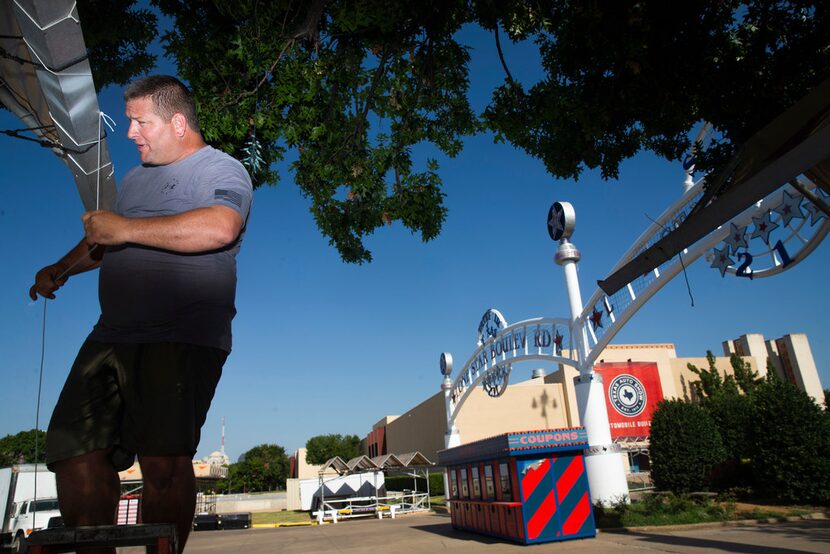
685,446
405,482
663,508
732,414
791,434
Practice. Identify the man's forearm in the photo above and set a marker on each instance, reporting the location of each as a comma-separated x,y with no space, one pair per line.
49,279
83,257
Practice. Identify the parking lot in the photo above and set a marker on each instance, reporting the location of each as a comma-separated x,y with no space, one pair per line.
428,533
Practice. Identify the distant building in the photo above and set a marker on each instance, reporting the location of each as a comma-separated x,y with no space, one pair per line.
790,355
299,468
217,458
635,376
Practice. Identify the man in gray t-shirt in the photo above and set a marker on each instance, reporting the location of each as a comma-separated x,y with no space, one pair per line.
144,379
155,295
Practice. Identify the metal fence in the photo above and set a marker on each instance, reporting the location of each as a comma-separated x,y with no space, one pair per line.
373,506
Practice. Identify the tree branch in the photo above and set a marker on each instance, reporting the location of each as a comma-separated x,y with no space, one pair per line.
379,71
501,54
288,44
311,24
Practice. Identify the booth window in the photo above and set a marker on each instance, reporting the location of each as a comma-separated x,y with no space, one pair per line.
476,483
453,485
504,478
465,491
488,481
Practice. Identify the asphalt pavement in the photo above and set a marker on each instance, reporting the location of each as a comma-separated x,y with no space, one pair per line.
430,533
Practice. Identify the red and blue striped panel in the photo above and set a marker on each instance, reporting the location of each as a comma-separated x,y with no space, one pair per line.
555,498
538,499
575,513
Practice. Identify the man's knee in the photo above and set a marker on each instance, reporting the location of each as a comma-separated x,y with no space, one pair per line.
166,472
88,489
85,472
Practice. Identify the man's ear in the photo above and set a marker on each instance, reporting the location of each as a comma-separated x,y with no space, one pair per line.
179,124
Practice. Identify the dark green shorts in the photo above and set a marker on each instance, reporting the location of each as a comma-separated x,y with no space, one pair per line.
146,399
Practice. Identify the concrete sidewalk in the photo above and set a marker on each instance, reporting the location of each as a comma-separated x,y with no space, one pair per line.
429,533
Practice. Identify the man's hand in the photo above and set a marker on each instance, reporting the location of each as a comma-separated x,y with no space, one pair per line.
47,281
102,227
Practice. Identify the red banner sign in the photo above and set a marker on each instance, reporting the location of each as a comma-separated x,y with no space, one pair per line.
632,391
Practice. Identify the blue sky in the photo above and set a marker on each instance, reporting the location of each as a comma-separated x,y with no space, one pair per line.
325,347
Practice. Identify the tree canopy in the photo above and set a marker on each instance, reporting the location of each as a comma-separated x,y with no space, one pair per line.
262,468
20,448
322,448
347,88
745,435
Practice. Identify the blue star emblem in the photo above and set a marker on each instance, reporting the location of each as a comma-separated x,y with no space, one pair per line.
556,221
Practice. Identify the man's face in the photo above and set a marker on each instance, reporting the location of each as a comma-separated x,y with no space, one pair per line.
157,141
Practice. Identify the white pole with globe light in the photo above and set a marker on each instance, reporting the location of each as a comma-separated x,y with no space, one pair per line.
603,460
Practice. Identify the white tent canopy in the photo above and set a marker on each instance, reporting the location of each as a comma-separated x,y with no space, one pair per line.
385,462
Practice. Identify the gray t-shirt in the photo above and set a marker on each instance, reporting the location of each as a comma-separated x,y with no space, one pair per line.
153,295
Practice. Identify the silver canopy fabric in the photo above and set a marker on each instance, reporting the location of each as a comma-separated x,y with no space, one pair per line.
49,83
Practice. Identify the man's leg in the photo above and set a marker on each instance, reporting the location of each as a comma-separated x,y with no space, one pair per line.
169,493
88,491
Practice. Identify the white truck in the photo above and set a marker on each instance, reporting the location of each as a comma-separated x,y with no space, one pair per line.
21,512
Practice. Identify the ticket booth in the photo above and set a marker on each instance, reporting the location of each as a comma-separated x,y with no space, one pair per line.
528,487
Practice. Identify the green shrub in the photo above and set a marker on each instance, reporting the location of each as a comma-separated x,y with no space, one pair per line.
791,434
406,482
732,413
685,446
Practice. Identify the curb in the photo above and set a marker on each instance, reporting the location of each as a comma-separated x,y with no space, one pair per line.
295,524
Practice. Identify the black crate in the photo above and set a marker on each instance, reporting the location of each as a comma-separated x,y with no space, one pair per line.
205,522
240,520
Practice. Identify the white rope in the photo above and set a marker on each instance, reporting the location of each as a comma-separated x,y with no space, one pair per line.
107,119
111,124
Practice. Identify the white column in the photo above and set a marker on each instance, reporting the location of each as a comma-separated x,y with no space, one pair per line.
451,437
603,458
603,461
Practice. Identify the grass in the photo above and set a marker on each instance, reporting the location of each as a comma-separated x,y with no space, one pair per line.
669,509
284,516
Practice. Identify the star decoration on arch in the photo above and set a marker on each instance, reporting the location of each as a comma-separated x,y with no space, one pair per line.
790,207
596,319
763,226
557,341
721,260
736,238
815,212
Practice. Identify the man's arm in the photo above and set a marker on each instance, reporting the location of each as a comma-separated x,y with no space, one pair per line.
198,230
84,257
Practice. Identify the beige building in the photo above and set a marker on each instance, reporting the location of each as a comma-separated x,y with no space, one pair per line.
534,403
299,468
790,355
550,401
